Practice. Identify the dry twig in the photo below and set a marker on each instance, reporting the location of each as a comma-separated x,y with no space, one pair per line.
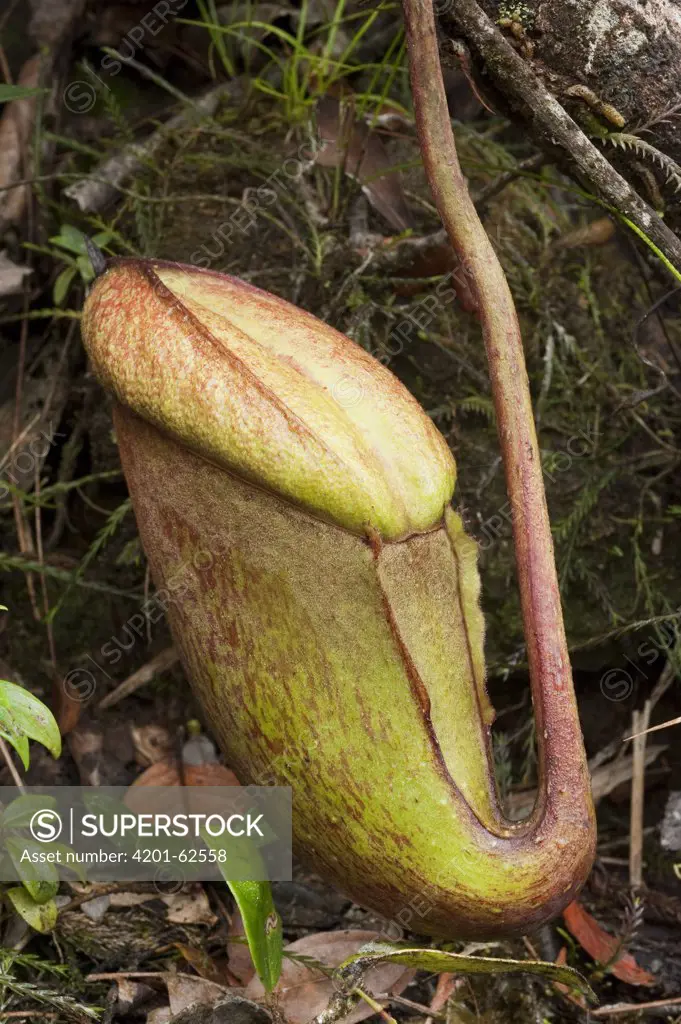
639,727
160,663
9,761
622,1009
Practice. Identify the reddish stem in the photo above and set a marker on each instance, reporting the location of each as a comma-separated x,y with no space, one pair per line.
564,778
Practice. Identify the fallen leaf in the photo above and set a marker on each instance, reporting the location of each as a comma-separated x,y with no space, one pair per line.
390,116
153,743
446,985
86,745
190,906
44,394
167,773
11,276
602,947
203,964
209,775
131,899
54,19
16,124
185,989
303,992
240,960
204,780
161,1015
132,994
574,997
41,916
598,232
230,1009
350,144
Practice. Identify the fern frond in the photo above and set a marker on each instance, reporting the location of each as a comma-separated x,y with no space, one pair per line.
593,581
69,1007
644,149
101,540
477,403
590,494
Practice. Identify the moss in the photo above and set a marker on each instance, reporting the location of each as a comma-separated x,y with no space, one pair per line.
518,13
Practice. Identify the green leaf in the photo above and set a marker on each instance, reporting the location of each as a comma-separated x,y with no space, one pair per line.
79,870
17,92
41,916
86,269
71,239
41,880
62,285
262,925
14,736
24,717
102,238
437,962
18,814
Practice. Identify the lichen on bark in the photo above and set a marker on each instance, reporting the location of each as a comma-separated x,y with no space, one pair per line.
628,54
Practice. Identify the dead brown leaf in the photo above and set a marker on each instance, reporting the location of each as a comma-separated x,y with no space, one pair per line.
130,899
203,964
598,232
602,947
348,142
54,19
445,988
240,961
44,392
153,743
167,773
87,748
160,1015
185,989
201,780
16,124
11,276
191,906
573,997
303,992
132,994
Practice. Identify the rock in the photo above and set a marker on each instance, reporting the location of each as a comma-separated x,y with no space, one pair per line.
670,830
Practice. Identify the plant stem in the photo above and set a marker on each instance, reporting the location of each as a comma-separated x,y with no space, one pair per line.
561,753
4,751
